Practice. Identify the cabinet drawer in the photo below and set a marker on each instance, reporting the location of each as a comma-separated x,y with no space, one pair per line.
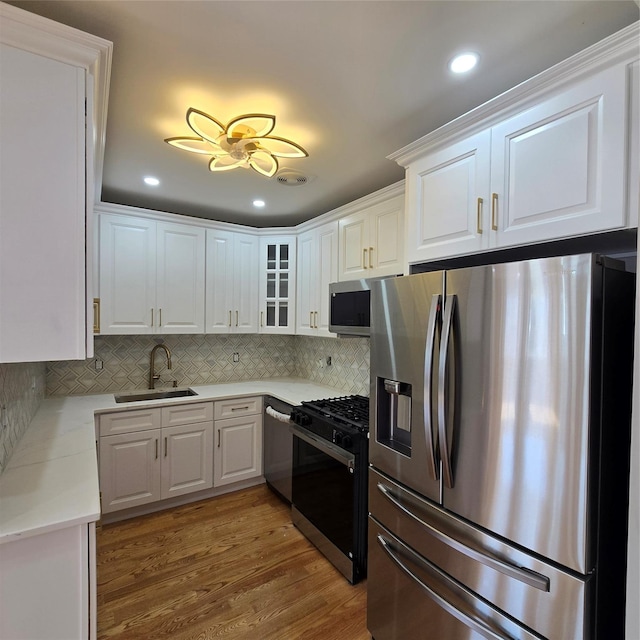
238,407
128,421
187,413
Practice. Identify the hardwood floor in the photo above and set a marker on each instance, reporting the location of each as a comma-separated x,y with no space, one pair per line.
231,567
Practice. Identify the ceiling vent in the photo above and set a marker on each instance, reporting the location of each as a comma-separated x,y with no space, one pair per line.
291,178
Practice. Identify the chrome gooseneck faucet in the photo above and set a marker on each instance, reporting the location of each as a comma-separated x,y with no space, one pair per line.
152,364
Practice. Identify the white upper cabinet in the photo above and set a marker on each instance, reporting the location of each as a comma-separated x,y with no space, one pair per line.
558,169
232,282
371,239
317,267
151,276
447,199
549,159
277,270
47,72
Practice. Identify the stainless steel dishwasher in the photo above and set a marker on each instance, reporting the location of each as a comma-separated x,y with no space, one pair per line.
277,446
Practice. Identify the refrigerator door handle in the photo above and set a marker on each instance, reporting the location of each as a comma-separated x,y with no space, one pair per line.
430,347
465,617
522,574
443,393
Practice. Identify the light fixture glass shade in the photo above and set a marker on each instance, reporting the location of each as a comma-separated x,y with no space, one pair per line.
243,142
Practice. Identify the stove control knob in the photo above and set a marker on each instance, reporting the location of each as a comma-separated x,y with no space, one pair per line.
300,418
346,442
337,437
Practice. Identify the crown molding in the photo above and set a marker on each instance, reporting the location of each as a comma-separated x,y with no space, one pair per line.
30,32
622,46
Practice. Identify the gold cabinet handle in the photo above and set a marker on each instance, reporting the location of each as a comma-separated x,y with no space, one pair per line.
494,211
315,321
218,438
236,318
229,317
262,318
152,317
246,408
310,319
156,448
165,447
160,314
370,257
479,215
364,258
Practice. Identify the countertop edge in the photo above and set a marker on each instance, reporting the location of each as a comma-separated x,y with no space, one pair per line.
43,480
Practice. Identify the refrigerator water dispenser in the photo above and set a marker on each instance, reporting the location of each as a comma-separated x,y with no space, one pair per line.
394,414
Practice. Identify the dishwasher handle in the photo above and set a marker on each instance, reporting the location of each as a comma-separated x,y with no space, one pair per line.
277,415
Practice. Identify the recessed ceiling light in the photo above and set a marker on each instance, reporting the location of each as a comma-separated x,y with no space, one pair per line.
151,181
258,203
464,62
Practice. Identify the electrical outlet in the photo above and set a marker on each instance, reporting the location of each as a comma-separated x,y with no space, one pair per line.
236,357
320,363
98,364
328,361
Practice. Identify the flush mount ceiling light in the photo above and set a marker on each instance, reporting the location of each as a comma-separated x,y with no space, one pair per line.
151,181
258,203
243,142
464,62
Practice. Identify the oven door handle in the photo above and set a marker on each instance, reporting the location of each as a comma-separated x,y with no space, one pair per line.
342,456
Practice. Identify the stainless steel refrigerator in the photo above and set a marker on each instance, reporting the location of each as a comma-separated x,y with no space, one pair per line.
499,451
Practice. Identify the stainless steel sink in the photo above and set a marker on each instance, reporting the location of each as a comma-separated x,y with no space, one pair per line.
153,394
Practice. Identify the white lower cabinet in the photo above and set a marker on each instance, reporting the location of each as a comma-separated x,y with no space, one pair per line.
139,466
47,585
238,451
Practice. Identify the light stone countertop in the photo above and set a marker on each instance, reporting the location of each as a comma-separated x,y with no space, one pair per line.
51,480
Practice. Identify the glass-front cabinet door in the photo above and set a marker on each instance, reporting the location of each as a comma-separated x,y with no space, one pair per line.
277,284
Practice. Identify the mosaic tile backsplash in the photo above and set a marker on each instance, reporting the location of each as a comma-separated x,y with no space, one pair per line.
207,359
22,388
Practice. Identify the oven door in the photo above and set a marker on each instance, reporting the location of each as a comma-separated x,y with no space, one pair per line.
323,491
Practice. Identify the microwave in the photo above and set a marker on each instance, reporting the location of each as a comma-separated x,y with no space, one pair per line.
350,307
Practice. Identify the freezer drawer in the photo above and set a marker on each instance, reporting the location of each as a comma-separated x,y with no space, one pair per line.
550,601
409,597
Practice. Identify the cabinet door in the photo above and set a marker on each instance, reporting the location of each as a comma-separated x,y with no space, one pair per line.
180,278
386,238
277,290
327,272
245,284
127,275
187,459
558,168
307,283
238,451
444,215
42,208
219,281
354,246
129,469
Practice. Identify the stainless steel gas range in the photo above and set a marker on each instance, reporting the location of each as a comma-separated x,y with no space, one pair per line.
329,485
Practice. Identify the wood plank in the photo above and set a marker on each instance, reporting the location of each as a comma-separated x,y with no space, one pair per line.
230,567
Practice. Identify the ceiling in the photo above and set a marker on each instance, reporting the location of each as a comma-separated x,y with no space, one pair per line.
350,81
